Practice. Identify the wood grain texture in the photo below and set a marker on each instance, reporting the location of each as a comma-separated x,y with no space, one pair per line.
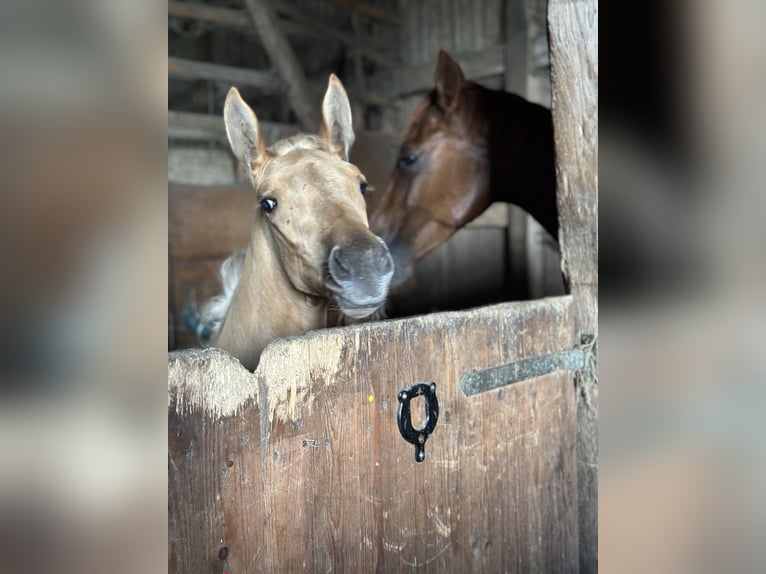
573,27
286,63
330,485
476,65
189,125
208,222
299,24
268,81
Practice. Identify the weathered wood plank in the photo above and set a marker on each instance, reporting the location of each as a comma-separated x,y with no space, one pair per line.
476,65
205,126
285,61
573,29
209,13
335,487
208,222
516,72
371,10
299,25
468,270
515,47
190,69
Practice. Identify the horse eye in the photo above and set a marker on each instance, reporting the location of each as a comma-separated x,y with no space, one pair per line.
363,187
407,160
268,204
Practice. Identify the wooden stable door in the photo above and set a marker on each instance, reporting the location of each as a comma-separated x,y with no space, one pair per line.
301,466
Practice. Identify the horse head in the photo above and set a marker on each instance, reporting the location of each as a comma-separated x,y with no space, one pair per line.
312,212
441,180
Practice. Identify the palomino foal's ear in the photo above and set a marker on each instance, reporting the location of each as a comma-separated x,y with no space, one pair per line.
242,131
449,82
336,118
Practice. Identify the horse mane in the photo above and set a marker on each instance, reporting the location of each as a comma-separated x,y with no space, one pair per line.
214,311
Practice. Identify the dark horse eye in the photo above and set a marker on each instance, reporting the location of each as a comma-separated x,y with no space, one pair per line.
268,204
407,160
363,187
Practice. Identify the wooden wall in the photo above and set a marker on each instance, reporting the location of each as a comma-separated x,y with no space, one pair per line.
501,44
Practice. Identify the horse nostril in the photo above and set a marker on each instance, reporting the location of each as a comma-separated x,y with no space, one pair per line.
339,270
385,263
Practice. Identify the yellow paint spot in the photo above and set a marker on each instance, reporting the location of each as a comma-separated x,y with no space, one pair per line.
370,398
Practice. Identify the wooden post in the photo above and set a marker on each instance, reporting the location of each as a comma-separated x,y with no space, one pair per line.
573,29
516,82
282,56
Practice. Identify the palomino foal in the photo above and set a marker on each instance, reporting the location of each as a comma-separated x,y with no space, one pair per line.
465,146
311,249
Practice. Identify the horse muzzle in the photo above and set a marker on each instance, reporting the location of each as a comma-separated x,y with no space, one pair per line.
359,275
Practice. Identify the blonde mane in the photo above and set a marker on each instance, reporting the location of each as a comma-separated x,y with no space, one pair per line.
214,311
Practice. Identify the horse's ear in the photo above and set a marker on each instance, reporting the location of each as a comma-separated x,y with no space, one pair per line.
242,131
449,82
336,125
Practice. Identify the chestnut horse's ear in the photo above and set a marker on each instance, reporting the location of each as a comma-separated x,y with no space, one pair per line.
242,131
449,82
336,118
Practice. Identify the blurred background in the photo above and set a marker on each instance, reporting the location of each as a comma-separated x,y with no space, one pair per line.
683,134
85,137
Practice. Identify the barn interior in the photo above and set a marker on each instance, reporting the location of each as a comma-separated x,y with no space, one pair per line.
302,463
279,55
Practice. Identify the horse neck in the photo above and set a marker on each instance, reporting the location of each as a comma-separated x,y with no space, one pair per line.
265,306
522,161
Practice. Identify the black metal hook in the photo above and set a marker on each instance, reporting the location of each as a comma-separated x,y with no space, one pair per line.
412,435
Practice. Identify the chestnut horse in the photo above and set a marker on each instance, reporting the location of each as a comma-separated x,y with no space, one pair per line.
311,251
465,146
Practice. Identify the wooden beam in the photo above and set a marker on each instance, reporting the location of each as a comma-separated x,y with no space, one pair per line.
475,65
573,34
190,69
299,24
282,56
371,10
516,47
191,126
303,24
208,13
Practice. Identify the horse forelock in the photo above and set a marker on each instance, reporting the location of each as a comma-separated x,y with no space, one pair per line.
288,146
300,141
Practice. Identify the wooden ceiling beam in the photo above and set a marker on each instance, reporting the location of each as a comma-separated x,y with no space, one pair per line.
371,10
193,126
213,14
286,63
298,24
191,69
